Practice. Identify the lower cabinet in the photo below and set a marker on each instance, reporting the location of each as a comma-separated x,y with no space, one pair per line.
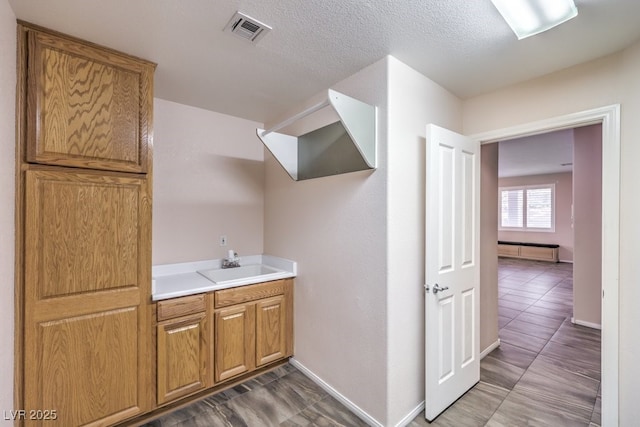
235,341
253,327
182,355
207,339
183,347
271,322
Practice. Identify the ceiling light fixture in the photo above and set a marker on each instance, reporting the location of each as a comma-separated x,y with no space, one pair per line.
529,17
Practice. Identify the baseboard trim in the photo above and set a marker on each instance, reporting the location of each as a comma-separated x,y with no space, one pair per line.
489,349
566,261
336,394
411,415
586,324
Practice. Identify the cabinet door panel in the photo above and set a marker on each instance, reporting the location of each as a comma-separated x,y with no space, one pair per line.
85,367
182,355
86,296
271,342
234,341
85,232
88,107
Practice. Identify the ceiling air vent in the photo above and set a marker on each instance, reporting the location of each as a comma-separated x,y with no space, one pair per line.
245,27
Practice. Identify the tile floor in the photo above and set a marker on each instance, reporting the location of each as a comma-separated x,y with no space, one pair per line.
546,371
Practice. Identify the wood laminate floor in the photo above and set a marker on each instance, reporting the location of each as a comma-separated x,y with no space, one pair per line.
546,371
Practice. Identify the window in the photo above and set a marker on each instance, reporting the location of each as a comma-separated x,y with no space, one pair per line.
527,208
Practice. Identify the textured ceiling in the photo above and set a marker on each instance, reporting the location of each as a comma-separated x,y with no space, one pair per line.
463,45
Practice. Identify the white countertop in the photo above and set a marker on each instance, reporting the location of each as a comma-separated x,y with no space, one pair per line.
177,280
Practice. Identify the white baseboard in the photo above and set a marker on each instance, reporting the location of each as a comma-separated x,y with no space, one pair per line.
411,415
587,324
490,348
333,392
566,261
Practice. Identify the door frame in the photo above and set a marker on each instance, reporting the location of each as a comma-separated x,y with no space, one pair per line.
609,117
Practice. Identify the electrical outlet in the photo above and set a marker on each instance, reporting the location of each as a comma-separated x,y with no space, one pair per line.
223,240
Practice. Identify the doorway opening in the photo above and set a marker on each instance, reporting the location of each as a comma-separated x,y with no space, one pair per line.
609,118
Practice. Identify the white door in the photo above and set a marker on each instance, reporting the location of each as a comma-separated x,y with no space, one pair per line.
452,271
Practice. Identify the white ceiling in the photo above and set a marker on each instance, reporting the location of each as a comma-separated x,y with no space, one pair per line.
464,45
536,155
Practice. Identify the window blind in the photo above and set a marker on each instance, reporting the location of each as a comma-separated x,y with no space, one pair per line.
539,212
512,208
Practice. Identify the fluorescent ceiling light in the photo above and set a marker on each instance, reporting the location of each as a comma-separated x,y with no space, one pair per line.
529,17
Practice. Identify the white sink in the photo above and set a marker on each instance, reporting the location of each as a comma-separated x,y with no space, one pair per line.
244,272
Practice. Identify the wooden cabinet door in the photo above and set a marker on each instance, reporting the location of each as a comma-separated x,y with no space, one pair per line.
234,341
271,341
87,106
182,356
87,266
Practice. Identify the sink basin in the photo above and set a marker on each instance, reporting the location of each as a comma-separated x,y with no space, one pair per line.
244,272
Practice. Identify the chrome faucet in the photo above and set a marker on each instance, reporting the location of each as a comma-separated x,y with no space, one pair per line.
231,262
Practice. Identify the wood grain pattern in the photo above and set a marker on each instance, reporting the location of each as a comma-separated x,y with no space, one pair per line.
234,341
83,241
21,120
183,306
271,325
88,107
183,351
239,295
509,250
543,254
289,333
105,389
87,330
528,252
83,233
233,344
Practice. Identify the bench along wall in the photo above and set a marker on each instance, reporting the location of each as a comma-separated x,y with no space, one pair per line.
534,251
563,234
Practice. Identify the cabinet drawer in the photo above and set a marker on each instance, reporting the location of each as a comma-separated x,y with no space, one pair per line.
508,250
182,306
533,252
243,294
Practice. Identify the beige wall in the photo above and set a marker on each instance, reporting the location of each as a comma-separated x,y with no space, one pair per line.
610,80
359,242
489,248
7,191
335,228
587,196
414,101
208,182
563,234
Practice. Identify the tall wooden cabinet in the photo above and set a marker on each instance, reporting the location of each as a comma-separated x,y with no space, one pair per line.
83,330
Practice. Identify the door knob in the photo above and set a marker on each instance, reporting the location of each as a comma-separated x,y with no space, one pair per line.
437,288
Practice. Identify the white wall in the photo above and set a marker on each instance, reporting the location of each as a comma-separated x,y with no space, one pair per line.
208,174
7,194
335,228
610,80
414,101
